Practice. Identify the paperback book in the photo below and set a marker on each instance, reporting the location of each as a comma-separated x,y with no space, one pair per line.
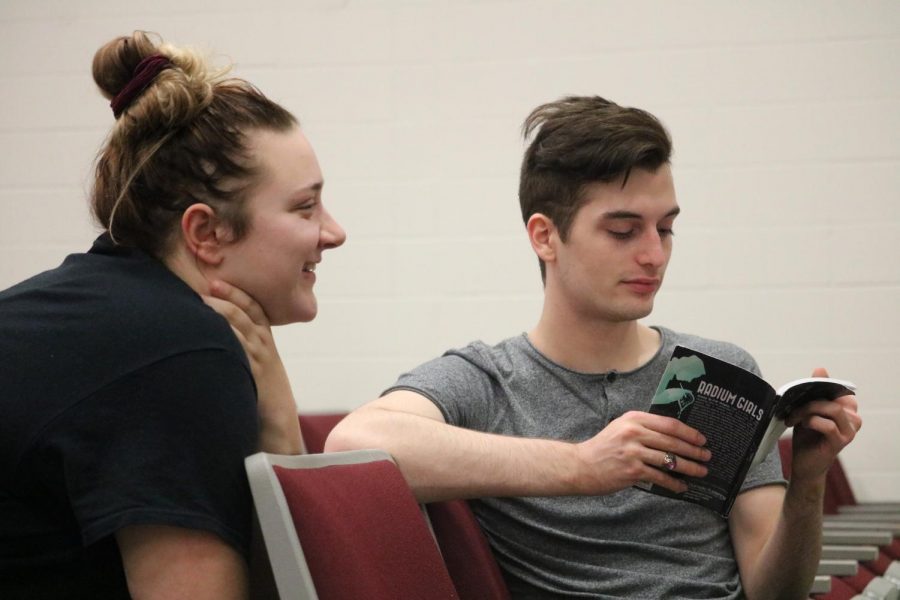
741,415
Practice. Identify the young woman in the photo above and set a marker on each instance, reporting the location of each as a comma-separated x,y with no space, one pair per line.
128,405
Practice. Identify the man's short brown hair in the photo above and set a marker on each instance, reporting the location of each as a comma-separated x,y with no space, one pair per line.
580,140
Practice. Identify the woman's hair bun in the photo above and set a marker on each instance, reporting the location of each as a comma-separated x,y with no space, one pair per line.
176,93
181,137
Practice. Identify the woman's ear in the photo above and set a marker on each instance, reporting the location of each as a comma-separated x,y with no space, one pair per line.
204,234
543,236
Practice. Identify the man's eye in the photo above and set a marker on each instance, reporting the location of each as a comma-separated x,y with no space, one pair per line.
666,232
621,235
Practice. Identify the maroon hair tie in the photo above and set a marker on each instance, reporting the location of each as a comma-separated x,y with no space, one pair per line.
144,73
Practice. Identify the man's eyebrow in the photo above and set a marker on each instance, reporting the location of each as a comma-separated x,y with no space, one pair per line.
313,187
625,214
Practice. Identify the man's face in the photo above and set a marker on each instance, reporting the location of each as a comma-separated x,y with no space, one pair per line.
619,244
289,229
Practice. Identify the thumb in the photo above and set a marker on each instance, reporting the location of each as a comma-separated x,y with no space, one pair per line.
820,372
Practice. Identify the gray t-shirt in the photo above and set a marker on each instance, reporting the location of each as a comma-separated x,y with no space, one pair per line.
630,544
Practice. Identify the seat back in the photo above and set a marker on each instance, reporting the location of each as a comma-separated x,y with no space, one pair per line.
316,427
466,551
840,590
345,525
837,487
785,452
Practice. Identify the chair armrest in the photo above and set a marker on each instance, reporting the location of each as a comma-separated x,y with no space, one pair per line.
848,552
851,537
838,568
821,585
864,507
892,528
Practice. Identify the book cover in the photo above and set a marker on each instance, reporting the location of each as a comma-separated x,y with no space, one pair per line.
740,414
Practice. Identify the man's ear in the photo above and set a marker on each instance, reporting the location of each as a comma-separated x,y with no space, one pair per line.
204,234
543,236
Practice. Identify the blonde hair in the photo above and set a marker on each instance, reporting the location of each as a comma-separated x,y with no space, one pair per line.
179,141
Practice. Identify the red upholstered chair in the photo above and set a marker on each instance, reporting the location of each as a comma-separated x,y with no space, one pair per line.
315,429
466,552
859,581
840,590
839,496
345,525
837,491
465,549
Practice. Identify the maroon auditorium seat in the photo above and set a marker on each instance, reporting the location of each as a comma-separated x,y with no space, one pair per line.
466,552
316,427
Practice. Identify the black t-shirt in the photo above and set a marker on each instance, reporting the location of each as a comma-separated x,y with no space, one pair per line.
124,400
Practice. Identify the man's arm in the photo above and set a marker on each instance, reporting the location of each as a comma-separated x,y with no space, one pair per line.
777,535
172,563
441,461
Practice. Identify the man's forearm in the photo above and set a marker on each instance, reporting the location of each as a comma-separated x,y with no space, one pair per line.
787,563
443,462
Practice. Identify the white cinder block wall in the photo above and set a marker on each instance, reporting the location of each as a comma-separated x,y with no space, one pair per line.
787,133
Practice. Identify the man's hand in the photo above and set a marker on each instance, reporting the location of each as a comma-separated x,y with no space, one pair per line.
633,448
822,428
279,426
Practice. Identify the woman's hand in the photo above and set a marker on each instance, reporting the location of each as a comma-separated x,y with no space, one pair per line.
279,427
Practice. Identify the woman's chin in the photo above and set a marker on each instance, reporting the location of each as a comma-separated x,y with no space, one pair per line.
297,314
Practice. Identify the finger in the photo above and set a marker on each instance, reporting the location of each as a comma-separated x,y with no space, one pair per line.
240,336
663,479
849,402
658,442
829,431
239,298
233,313
820,372
672,427
658,460
828,410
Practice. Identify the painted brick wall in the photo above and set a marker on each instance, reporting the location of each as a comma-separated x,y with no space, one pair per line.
787,137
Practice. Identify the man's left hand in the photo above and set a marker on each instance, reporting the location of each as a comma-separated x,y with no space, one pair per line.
821,430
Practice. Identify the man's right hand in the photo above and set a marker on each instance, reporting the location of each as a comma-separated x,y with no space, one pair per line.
633,447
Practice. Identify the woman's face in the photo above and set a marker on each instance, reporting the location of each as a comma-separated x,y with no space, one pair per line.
289,228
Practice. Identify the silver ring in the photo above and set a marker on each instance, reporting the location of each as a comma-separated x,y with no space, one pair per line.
670,461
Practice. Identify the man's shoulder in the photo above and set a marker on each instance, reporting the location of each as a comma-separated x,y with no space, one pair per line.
502,356
727,351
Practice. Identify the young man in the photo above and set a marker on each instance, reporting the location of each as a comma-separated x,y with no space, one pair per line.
547,430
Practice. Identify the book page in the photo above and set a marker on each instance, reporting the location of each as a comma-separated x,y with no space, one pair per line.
794,394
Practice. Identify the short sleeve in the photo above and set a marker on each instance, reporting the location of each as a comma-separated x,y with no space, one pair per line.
164,446
463,392
765,473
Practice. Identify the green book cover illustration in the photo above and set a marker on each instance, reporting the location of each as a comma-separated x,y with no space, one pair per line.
741,415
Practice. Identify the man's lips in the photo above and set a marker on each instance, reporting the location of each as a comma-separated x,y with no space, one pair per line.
642,285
